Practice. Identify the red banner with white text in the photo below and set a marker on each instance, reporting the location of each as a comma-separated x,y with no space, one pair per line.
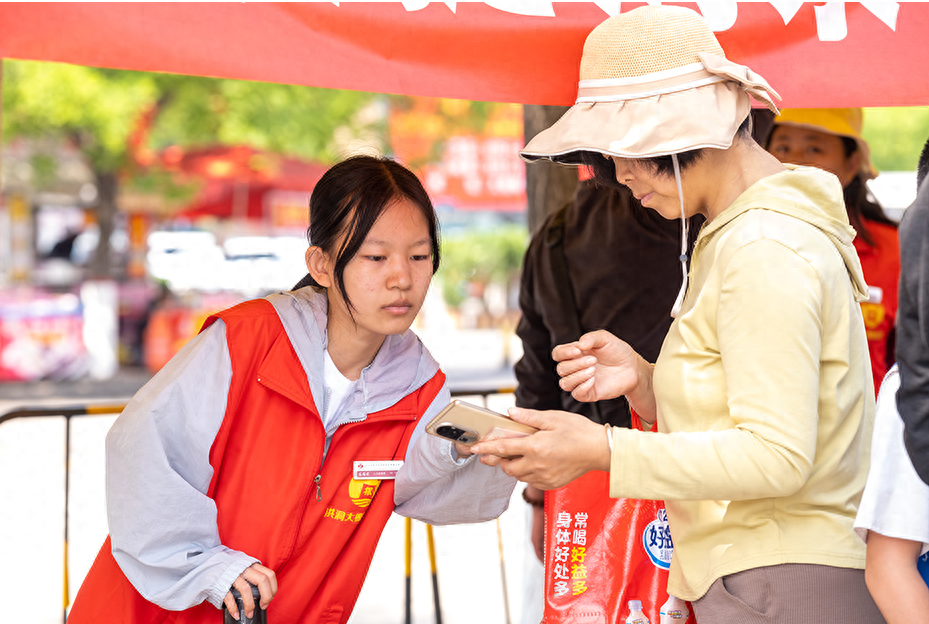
814,54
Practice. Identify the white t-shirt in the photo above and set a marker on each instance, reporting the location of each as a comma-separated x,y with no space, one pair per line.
338,387
895,502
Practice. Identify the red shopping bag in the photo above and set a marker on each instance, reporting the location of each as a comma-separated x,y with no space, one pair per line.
602,552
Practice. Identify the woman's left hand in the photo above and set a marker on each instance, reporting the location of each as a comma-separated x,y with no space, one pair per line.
566,447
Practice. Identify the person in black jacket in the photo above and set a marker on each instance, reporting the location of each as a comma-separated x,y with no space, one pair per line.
913,323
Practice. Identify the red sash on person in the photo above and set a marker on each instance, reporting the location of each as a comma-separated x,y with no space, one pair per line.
602,552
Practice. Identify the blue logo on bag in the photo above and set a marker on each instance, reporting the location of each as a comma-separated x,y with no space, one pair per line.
657,541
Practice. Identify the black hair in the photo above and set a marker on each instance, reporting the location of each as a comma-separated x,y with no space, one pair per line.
862,207
859,203
349,199
604,169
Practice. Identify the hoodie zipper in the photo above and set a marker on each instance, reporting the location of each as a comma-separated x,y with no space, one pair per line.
326,443
319,474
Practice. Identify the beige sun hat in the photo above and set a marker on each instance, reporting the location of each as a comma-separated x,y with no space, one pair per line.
653,81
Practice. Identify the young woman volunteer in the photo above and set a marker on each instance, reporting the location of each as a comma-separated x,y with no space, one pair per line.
762,390
830,138
243,460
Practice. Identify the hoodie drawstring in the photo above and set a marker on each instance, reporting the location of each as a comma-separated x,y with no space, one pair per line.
675,310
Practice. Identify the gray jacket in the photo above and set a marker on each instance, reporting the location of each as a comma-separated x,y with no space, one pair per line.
913,330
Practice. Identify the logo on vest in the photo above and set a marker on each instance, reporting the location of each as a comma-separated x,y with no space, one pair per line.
362,492
657,540
873,314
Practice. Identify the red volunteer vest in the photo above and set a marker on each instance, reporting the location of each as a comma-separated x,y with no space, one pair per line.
277,499
881,267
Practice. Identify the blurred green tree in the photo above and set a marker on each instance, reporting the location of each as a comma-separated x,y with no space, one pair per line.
113,116
896,136
481,256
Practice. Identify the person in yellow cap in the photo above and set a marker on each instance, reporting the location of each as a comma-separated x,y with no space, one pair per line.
762,393
830,138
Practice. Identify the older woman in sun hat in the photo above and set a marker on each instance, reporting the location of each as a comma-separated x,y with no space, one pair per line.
830,138
762,392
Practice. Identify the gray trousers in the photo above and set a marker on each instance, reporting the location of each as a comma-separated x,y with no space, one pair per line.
791,593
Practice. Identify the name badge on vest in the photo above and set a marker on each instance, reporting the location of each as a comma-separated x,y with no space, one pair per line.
376,469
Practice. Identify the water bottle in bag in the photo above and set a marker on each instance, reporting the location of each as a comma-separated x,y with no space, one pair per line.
674,611
636,615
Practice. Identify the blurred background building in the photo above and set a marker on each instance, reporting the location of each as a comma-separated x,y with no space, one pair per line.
133,205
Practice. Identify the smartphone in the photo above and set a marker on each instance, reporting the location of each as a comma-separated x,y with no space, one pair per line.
466,423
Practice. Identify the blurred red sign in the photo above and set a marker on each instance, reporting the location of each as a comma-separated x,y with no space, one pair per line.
466,153
41,336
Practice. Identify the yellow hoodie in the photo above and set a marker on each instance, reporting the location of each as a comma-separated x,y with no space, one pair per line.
764,391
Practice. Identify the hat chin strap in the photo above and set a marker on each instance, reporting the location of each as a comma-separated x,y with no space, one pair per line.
676,308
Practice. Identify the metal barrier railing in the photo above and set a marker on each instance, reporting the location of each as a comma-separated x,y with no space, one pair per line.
69,412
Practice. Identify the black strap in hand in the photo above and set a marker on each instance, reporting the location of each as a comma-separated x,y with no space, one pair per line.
260,616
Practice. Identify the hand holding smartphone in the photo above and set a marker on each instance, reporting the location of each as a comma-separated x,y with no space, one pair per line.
466,424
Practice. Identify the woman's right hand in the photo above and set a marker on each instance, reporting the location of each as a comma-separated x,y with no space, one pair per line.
600,366
261,577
